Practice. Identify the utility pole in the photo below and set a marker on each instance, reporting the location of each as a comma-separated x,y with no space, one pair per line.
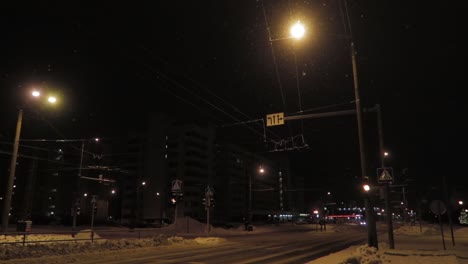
11,177
250,198
449,208
371,228
77,194
93,209
391,241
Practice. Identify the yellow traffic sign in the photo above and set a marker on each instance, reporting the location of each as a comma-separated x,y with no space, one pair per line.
275,119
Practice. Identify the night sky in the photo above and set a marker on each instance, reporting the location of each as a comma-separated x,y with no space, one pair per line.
210,62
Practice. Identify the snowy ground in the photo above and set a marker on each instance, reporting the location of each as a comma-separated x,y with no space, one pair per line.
412,245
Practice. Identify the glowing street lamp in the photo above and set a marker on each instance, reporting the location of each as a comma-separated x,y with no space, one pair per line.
139,199
297,30
52,99
36,93
11,177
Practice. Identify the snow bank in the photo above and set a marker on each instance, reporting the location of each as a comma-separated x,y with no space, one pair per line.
366,255
32,250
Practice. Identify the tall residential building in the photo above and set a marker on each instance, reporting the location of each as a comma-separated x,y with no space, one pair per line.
164,152
244,178
190,158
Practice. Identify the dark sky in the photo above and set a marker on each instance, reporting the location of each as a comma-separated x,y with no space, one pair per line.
211,62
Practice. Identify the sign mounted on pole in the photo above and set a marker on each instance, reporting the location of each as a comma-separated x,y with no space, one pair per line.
208,192
385,175
176,186
275,119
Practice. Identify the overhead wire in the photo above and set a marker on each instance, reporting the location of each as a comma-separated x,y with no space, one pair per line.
37,158
59,133
179,85
324,107
216,96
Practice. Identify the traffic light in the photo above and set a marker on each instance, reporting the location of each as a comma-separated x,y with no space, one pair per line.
174,199
212,203
77,207
366,184
94,209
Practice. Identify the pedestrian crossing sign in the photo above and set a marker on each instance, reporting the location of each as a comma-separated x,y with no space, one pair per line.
208,192
176,186
385,175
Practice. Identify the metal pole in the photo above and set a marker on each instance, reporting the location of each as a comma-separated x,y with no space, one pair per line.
388,209
208,204
449,209
371,229
93,204
404,204
137,216
11,177
250,199
77,195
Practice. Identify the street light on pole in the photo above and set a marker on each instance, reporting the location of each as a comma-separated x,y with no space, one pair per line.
298,31
261,170
139,201
371,228
11,176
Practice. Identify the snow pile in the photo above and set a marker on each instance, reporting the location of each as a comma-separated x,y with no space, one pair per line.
186,225
416,230
47,238
209,240
32,250
366,255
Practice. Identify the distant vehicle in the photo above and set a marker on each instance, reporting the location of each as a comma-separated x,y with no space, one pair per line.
155,223
303,221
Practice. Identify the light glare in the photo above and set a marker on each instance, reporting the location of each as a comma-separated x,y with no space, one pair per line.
36,93
297,30
52,99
